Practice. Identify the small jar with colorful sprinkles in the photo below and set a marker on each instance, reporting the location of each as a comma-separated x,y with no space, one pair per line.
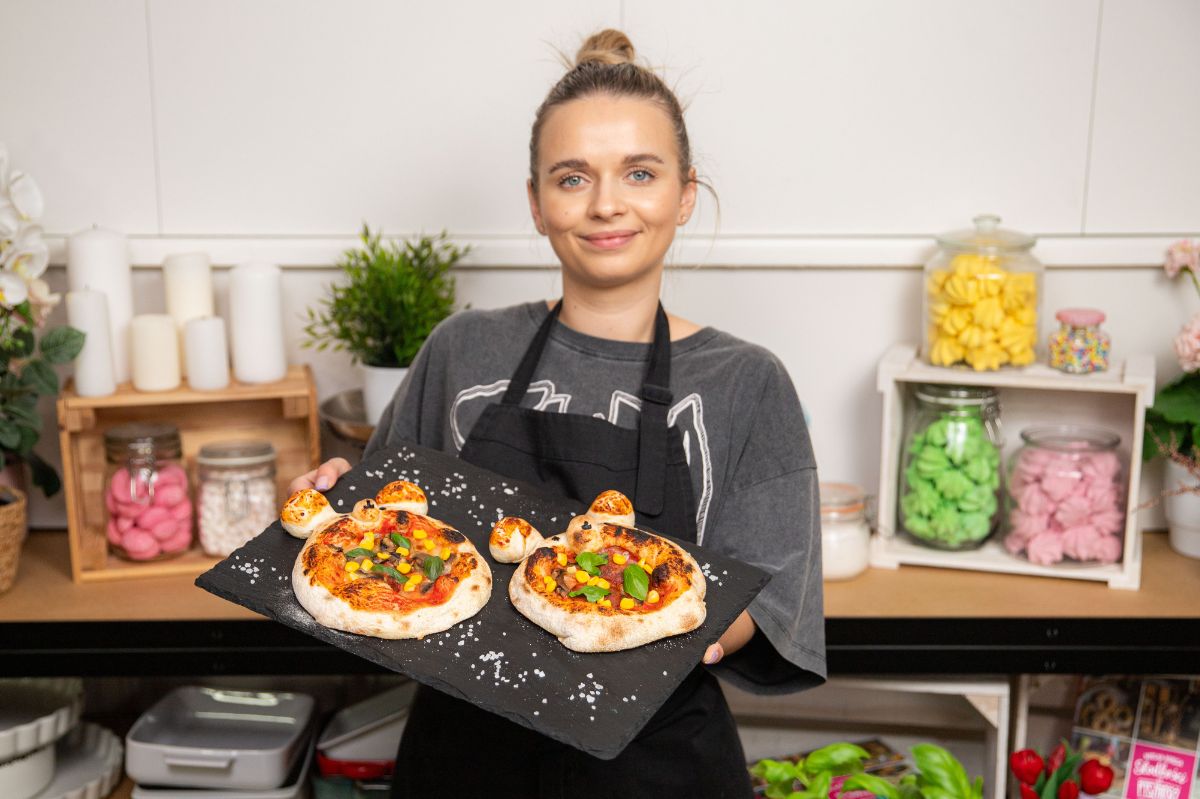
1079,346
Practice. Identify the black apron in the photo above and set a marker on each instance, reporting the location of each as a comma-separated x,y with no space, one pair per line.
690,746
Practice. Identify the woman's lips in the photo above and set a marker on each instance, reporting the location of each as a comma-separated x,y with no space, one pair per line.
611,240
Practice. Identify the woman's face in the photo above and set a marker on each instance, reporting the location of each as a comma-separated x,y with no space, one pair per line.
609,192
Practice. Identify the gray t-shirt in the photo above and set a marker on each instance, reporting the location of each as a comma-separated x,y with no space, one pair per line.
753,472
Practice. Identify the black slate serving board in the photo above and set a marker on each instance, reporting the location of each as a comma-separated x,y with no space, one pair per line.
497,659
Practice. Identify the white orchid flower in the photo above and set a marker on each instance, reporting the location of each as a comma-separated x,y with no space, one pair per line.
3,168
13,291
10,222
29,255
42,299
25,196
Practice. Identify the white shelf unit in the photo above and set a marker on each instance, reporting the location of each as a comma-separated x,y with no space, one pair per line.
1033,395
954,710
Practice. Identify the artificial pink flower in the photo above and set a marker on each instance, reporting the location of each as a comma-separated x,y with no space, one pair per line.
1045,549
1183,254
1187,345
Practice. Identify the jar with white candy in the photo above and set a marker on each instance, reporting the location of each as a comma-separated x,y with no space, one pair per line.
236,499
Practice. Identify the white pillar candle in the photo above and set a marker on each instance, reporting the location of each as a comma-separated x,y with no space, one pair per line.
256,323
87,311
98,259
206,353
155,348
187,284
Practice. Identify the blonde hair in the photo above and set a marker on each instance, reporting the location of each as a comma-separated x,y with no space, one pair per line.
605,65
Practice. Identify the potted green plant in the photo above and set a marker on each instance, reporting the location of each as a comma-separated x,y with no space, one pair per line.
1173,422
392,295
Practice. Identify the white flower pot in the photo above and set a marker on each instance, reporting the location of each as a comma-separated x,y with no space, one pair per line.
379,384
1183,512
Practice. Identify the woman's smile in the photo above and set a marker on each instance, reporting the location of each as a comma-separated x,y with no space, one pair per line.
609,239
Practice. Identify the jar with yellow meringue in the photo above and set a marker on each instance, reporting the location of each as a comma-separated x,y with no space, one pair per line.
982,296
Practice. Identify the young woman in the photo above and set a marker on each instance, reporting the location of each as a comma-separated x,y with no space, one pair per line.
600,390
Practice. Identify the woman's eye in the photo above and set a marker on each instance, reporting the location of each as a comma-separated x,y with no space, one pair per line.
641,175
571,181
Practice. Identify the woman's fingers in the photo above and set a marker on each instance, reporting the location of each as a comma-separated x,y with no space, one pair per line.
321,478
713,654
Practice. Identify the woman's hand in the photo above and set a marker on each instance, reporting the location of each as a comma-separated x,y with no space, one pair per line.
321,478
738,634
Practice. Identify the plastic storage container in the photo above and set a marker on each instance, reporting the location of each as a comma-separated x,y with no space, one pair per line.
982,297
236,493
360,742
1079,346
210,738
1066,496
845,536
950,472
146,492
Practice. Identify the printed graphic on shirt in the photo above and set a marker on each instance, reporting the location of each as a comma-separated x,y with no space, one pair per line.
623,409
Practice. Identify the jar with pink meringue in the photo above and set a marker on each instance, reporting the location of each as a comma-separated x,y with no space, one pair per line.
146,492
1066,496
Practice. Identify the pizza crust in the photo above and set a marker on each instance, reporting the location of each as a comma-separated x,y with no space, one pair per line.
305,512
512,539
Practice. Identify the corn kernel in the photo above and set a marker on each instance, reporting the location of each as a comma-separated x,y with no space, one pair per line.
627,604
562,559
383,555
446,553
366,565
642,563
404,568
410,586
582,576
368,541
402,550
594,581
352,565
430,545
419,534
652,597
551,585
619,559
605,604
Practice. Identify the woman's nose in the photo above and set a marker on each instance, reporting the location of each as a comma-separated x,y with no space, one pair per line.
607,201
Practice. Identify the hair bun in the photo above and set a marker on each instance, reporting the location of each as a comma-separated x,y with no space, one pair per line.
609,46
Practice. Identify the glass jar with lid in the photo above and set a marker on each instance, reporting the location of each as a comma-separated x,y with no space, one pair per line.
146,491
1079,346
950,472
1066,496
845,536
237,496
982,298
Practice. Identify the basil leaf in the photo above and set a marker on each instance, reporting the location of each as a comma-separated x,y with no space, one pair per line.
359,552
433,566
390,572
592,593
637,582
591,562
400,541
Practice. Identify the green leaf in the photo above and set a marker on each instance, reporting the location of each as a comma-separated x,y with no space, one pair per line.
1064,772
400,541
637,582
869,782
433,566
839,758
358,552
591,562
24,413
43,475
1172,435
390,572
10,434
592,593
19,343
62,344
941,769
1179,400
40,377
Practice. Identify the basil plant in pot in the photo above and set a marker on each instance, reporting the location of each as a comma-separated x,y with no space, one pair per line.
392,295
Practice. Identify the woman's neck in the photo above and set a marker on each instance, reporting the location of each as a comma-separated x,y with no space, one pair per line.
625,313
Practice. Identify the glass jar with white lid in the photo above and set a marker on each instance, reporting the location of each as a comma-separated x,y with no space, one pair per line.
845,535
237,497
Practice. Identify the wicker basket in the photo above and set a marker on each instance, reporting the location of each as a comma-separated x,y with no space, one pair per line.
13,527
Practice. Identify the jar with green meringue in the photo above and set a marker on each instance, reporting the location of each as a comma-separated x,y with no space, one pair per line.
950,467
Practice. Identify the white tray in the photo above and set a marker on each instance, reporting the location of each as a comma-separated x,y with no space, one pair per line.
34,713
88,767
297,787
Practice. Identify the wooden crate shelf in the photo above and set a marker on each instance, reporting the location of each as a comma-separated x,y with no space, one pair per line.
1031,395
284,413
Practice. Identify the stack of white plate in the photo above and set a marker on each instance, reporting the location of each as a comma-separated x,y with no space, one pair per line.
45,752
221,744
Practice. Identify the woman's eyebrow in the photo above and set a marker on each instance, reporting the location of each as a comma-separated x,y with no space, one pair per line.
579,163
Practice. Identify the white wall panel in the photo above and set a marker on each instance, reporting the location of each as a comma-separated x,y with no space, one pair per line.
870,116
310,117
75,110
1145,173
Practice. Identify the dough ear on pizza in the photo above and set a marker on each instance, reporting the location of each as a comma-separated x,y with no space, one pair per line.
512,539
403,495
367,515
612,507
305,512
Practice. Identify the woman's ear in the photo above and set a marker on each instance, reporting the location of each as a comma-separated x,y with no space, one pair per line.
535,211
687,203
